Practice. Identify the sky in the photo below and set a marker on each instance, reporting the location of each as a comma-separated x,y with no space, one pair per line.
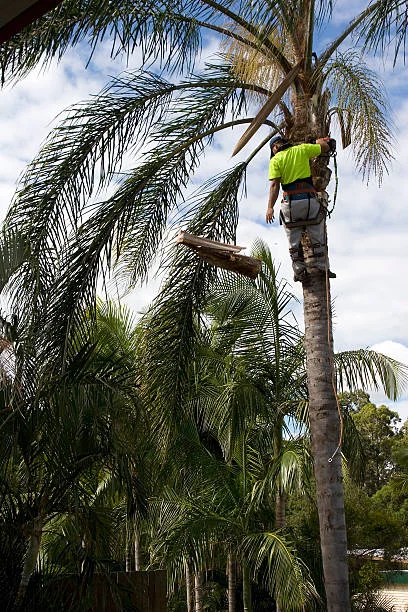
367,231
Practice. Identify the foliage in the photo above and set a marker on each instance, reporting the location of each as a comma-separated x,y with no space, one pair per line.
377,426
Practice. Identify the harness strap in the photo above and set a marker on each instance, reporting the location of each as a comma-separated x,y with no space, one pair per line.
298,187
299,190
303,223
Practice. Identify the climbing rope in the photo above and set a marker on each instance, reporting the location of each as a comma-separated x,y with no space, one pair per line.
336,183
329,342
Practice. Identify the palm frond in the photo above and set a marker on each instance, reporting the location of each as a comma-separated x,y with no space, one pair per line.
171,332
353,449
132,218
386,26
365,369
13,252
159,30
358,94
284,575
84,152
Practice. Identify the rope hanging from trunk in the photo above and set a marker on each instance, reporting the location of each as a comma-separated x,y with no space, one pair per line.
336,184
330,459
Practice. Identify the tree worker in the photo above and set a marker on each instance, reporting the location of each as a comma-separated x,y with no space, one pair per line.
300,209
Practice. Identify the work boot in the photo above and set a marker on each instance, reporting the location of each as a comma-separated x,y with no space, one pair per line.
300,276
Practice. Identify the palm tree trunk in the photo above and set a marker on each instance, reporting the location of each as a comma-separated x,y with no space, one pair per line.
128,553
246,587
280,519
280,498
137,549
29,563
189,589
324,427
199,591
232,583
280,509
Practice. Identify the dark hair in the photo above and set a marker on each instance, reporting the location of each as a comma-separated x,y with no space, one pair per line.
279,139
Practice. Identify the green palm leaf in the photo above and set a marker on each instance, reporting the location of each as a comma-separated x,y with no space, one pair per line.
364,369
359,97
284,575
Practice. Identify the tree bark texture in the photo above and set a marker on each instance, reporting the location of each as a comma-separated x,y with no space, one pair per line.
137,548
325,432
246,587
30,562
232,583
189,589
199,591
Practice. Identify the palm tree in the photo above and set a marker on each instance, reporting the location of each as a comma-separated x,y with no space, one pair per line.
66,436
253,323
268,53
248,375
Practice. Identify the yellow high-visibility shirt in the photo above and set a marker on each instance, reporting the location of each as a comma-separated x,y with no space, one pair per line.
292,164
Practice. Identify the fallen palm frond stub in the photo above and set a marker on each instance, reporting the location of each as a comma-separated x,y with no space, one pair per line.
221,255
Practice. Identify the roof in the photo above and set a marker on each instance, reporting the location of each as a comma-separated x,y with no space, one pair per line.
378,554
17,14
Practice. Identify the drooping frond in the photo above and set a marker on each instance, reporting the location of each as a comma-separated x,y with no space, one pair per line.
134,219
168,32
254,314
13,252
359,102
171,332
365,369
253,65
158,29
84,152
386,26
291,470
353,449
284,574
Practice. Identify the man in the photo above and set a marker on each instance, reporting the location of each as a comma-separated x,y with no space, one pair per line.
290,167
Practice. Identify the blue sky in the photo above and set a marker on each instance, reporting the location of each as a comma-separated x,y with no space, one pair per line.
367,233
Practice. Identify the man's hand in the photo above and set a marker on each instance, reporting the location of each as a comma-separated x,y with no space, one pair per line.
326,144
269,214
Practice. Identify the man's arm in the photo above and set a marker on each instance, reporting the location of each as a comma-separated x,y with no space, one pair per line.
323,144
273,196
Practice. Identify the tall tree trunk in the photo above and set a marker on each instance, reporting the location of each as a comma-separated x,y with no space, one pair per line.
232,583
246,587
199,591
129,546
325,431
310,121
189,589
280,498
137,548
280,519
30,562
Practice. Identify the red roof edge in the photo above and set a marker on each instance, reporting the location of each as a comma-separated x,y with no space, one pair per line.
24,19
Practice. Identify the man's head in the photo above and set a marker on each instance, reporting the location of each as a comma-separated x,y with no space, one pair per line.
277,143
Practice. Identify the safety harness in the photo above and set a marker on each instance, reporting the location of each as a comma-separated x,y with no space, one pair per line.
300,190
